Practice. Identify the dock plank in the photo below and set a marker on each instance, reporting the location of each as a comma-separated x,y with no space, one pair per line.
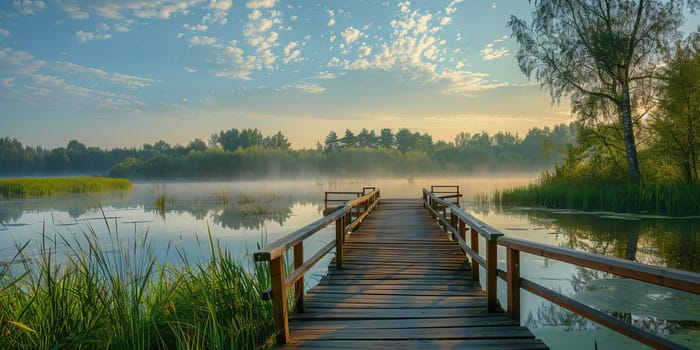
404,285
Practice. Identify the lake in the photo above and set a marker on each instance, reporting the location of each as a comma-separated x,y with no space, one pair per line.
178,218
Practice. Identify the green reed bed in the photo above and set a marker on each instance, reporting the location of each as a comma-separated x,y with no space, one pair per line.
649,198
45,187
123,298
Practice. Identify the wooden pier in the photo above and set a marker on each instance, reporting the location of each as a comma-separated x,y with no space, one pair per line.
400,280
404,284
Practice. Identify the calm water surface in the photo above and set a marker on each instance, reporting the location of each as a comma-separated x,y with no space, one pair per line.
178,218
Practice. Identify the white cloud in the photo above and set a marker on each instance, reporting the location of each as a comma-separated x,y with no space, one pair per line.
71,8
47,80
128,81
325,76
422,23
459,65
445,21
180,35
308,88
351,34
203,41
364,51
331,21
30,7
196,27
124,26
18,62
255,4
491,52
221,5
450,9
88,36
293,18
120,9
219,14
466,83
5,33
291,53
190,70
259,34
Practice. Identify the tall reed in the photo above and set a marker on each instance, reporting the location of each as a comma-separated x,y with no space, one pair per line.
44,187
648,198
121,297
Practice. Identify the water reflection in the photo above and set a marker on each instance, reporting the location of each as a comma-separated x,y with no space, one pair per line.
671,242
650,240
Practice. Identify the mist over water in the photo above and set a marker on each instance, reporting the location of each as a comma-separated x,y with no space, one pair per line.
243,215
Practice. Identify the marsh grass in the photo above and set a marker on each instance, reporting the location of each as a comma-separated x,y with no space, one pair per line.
646,198
123,298
45,187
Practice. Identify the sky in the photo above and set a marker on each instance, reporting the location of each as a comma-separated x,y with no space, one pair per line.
121,73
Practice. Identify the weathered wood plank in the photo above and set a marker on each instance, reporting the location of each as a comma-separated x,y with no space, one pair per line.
491,332
433,344
481,321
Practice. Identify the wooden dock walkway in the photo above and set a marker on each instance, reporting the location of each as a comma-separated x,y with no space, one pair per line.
403,284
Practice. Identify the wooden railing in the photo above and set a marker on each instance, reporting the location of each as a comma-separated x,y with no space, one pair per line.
459,223
346,219
340,197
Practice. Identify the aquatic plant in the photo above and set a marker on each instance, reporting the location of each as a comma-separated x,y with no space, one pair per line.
45,187
123,298
652,198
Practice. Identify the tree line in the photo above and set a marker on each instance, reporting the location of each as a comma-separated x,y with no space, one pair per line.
247,153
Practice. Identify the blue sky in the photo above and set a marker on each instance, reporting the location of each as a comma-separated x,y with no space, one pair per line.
116,73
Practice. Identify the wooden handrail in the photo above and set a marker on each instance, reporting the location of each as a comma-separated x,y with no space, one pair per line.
346,219
459,222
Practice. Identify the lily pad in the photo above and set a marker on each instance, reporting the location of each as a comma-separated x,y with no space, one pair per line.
641,299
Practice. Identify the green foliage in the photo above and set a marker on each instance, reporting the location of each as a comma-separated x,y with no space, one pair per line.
44,187
605,194
99,299
604,54
676,123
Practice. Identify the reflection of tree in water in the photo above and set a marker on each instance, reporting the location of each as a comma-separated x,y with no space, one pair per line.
550,315
253,216
668,242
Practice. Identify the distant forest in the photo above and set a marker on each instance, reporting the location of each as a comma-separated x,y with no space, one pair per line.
247,153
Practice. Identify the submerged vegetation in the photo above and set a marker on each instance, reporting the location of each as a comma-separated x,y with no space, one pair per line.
127,299
44,187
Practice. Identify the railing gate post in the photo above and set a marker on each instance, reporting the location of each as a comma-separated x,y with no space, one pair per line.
279,299
491,274
299,285
475,246
339,238
513,279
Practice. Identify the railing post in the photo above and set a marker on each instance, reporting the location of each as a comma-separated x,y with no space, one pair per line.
339,238
513,279
299,285
491,274
279,299
475,246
